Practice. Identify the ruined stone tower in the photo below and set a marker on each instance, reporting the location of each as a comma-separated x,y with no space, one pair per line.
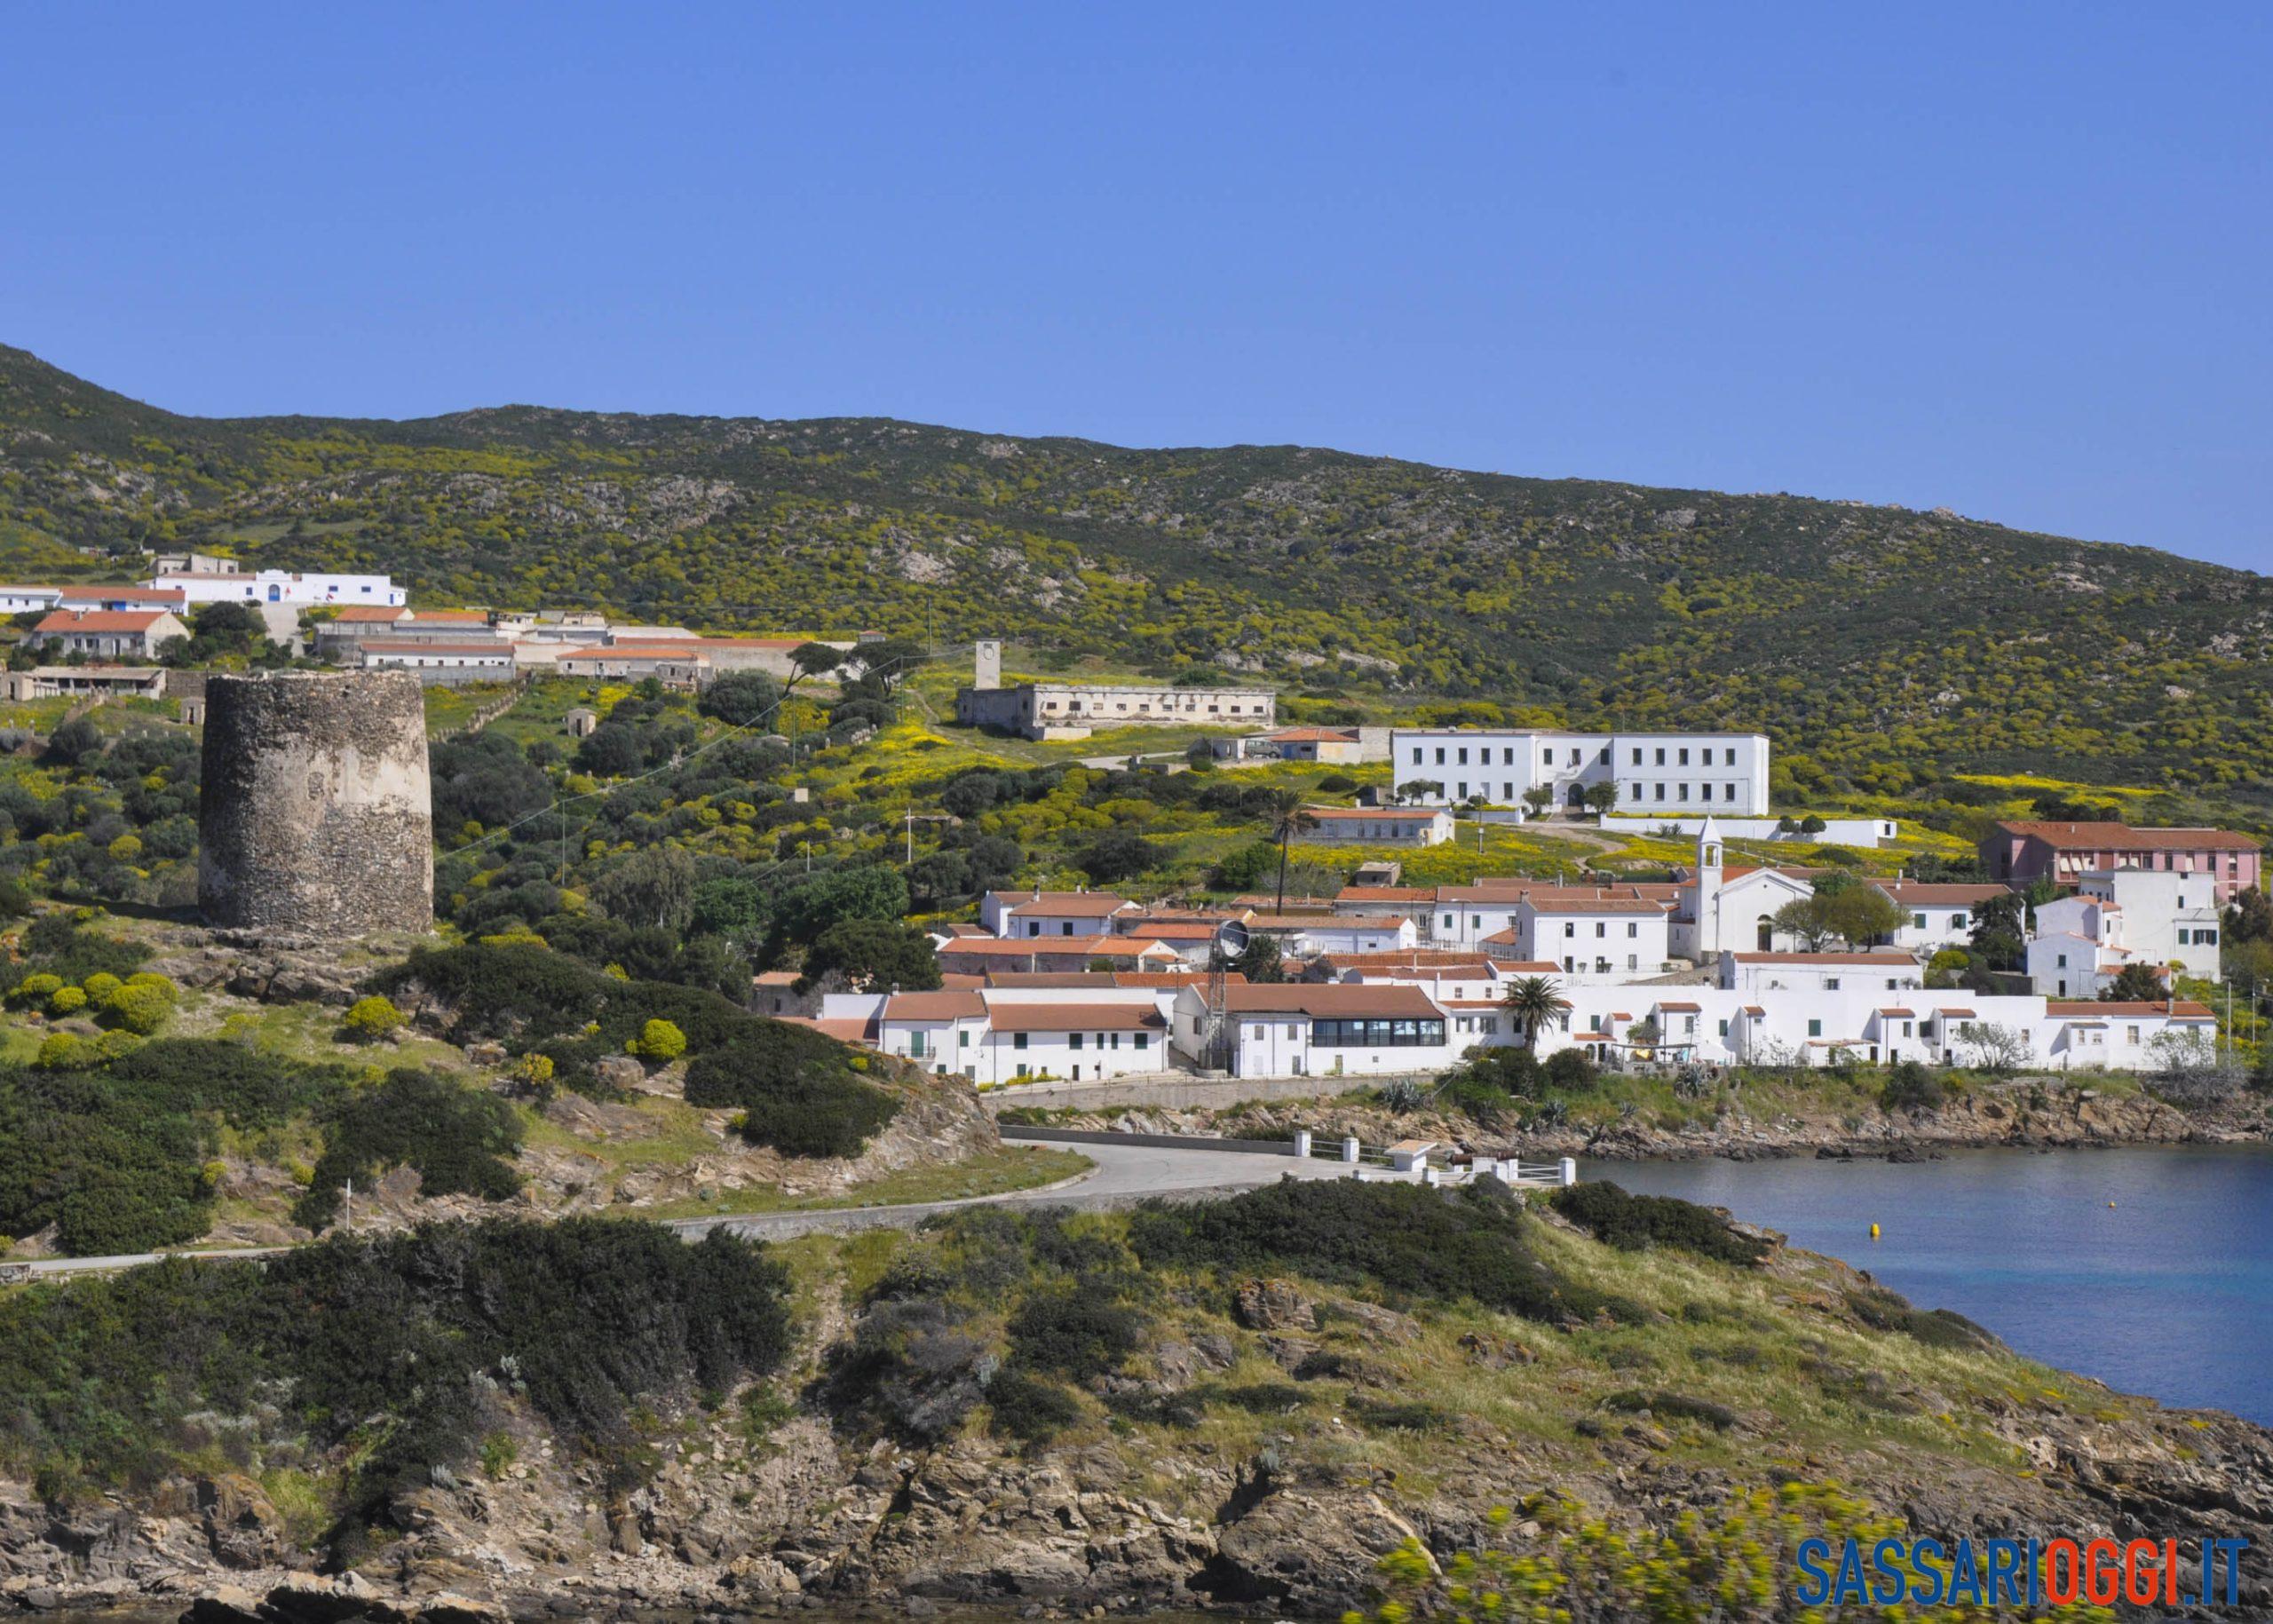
316,814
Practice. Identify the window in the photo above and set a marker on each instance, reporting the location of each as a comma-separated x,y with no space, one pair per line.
1022,1068
1570,928
1637,756
1685,792
2131,1033
1144,1040
1632,962
1661,758
1018,1041
915,1045
1684,757
1831,984
1440,755
1402,1034
1065,927
962,1039
1660,793
1116,1040
1918,922
1463,756
1815,1028
1416,754
1600,929
1072,1040
1724,1028
1633,931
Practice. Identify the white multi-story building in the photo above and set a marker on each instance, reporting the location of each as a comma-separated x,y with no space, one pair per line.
2077,947
2169,917
1670,773
278,586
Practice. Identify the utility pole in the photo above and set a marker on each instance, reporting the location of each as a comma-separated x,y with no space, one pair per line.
348,1217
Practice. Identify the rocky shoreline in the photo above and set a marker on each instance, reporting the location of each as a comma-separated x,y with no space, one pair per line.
2026,1113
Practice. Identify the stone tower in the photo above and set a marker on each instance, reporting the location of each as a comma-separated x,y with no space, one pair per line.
316,814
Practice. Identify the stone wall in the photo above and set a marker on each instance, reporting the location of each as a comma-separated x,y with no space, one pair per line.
316,813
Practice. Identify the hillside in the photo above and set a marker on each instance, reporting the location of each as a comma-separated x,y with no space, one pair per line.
1890,644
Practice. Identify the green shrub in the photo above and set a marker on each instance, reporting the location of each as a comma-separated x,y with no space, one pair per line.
594,1319
56,945
1081,1332
658,1041
795,1091
1884,1311
34,989
102,985
1632,1223
138,1009
459,1140
1411,1239
66,1001
371,1018
62,1051
1911,1087
1029,1409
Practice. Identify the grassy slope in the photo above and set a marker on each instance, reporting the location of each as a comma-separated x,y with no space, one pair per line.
1824,623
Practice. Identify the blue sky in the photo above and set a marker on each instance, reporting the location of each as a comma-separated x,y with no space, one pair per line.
2010,260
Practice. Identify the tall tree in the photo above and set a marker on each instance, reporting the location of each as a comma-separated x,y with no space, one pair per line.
1288,818
1534,1000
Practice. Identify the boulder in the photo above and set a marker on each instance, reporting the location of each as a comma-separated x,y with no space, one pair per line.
1274,1305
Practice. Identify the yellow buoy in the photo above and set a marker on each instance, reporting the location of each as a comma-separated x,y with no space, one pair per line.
2110,1203
1874,1228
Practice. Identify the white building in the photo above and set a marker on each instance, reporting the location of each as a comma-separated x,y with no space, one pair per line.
2077,946
1381,826
1594,938
1305,936
1719,772
1073,710
1051,913
108,634
29,599
1877,971
277,586
1321,1029
1081,1034
435,661
2169,917
1935,915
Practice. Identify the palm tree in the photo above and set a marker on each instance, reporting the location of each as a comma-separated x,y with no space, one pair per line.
1534,1000
1288,818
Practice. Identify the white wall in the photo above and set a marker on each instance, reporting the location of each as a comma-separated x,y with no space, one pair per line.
1722,773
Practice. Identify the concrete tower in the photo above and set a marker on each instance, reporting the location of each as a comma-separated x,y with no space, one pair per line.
986,668
316,814
1710,938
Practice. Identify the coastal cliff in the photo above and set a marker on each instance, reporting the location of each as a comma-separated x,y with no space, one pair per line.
1245,1404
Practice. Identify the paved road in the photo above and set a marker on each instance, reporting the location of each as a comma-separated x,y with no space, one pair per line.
1124,1175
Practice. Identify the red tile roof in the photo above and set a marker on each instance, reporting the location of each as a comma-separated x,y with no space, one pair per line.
1038,1016
1332,1000
934,1006
1883,956
2076,1008
2118,836
100,620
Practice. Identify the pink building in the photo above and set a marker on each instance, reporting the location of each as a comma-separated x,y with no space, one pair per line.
2064,852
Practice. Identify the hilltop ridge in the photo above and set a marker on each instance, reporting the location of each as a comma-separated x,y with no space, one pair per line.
1890,644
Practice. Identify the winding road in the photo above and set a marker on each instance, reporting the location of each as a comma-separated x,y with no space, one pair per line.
1124,1175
